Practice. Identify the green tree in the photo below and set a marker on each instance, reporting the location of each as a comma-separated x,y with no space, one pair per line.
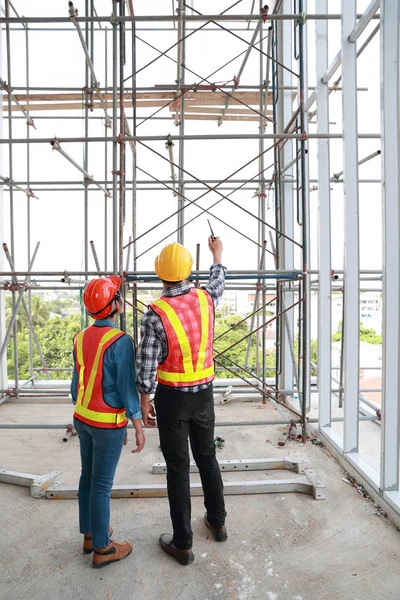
39,313
366,335
233,330
55,339
21,317
314,353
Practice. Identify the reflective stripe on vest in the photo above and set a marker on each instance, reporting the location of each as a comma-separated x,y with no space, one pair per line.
84,408
101,417
190,375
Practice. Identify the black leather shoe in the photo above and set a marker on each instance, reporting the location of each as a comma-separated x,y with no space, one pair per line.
185,557
220,535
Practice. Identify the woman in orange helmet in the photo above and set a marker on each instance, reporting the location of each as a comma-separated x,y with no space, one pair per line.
103,389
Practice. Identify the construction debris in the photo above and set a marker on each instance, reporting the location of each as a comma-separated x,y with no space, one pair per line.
223,398
219,442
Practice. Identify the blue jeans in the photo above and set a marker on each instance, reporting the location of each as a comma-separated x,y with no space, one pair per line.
100,453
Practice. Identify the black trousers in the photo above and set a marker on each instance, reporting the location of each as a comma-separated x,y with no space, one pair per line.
180,416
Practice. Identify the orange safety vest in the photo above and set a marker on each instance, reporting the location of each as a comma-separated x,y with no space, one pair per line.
90,345
188,321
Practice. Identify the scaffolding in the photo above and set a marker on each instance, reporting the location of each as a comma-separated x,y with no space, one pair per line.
257,104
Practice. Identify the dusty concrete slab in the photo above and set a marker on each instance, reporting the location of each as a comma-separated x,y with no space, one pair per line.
280,547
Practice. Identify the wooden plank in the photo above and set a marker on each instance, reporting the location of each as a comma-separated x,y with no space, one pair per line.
208,97
215,118
128,103
79,106
217,111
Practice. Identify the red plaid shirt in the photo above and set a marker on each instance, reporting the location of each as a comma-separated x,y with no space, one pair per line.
153,346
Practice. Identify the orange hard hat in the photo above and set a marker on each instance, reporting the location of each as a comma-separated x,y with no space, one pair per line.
174,263
100,296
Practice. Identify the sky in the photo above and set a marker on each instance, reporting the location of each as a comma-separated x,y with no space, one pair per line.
57,218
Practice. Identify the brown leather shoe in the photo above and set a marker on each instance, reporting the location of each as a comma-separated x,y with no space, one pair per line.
112,553
220,535
87,542
185,557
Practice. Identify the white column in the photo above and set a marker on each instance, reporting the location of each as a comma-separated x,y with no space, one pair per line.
324,222
351,329
390,98
286,247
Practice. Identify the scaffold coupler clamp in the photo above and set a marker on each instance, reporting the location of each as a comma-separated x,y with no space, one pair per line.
55,143
264,12
303,18
169,143
120,140
66,277
73,12
304,136
5,86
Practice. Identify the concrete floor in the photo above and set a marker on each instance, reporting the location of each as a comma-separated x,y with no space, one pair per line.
280,546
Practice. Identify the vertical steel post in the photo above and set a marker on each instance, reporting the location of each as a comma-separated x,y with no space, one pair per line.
115,240
324,223
106,155
351,329
3,364
390,127
305,307
286,249
134,186
180,83
122,157
28,198
88,100
10,160
261,200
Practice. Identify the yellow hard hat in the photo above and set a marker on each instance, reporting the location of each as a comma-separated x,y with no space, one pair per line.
174,263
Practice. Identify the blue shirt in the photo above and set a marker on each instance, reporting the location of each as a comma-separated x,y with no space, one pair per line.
119,374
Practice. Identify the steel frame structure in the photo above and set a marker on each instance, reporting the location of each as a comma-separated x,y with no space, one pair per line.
282,98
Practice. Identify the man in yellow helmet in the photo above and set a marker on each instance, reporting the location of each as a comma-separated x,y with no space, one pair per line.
176,348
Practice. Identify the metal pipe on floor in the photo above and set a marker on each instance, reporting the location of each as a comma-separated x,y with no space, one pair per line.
217,423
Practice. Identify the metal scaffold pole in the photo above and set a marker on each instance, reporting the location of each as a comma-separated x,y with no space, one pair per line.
181,59
115,220
134,178
10,167
122,156
262,196
305,310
